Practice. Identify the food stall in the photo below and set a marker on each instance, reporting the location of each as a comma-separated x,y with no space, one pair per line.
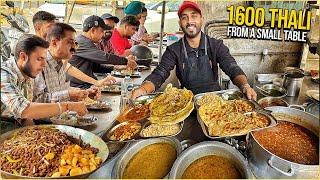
173,133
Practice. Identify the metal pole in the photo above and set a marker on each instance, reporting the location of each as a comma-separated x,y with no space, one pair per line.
69,14
161,28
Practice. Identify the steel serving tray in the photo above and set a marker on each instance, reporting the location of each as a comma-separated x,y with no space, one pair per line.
137,136
235,94
272,122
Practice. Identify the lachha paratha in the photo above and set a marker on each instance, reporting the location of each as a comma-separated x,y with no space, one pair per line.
173,119
171,107
171,102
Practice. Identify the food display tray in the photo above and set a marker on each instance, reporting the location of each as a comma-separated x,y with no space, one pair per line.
230,95
272,122
137,136
143,123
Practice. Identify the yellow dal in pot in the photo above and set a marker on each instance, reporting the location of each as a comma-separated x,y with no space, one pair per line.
152,162
211,167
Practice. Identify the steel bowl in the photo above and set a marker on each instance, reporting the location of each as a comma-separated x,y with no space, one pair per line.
205,149
265,164
269,101
86,137
143,53
271,87
134,148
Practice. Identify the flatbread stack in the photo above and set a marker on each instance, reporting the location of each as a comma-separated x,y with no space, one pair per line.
224,118
171,107
89,102
214,110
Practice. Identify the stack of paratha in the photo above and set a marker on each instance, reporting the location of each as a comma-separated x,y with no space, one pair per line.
171,107
224,118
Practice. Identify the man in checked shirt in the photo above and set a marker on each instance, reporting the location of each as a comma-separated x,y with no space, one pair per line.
17,82
51,84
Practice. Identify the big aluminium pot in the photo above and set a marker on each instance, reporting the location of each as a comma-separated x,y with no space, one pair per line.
205,149
264,164
134,148
143,53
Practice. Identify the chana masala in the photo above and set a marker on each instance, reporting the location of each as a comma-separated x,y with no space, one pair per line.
46,152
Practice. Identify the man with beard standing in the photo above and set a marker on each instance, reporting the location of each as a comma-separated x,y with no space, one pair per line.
196,57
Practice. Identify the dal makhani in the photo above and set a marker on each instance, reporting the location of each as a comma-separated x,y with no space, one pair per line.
211,167
152,162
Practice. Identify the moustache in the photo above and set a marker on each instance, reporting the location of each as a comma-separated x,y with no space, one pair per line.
73,50
190,24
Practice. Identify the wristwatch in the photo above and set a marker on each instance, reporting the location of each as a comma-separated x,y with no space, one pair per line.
244,87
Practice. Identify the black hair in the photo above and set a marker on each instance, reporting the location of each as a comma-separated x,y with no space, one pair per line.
144,9
130,20
58,30
43,16
28,43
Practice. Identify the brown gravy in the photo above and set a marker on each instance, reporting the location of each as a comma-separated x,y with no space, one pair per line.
152,162
291,142
211,167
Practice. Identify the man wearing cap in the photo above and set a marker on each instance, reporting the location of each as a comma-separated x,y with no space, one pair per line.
105,43
89,58
137,9
196,57
134,8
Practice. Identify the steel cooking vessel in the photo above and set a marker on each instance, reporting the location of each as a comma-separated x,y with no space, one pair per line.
86,136
134,148
143,53
269,100
205,149
264,164
292,81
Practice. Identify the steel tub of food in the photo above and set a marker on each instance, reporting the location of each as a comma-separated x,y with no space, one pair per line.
288,150
51,151
147,159
213,160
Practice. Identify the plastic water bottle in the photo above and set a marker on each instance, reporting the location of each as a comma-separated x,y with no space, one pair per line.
129,83
126,88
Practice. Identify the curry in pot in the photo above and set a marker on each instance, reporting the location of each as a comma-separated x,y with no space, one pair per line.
151,162
211,167
291,142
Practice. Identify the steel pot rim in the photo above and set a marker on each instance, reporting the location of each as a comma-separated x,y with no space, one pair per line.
119,163
244,163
